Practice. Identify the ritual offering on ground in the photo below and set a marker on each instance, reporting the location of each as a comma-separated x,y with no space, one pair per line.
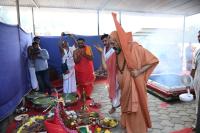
33,95
70,98
33,124
44,102
108,123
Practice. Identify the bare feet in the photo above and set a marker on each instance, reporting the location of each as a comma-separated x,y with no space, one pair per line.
112,110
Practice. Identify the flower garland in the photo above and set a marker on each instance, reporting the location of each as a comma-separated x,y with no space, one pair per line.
30,122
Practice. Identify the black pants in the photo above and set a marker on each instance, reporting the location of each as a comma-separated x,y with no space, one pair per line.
43,81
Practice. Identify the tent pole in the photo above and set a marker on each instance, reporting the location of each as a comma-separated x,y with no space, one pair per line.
35,3
33,19
120,19
183,46
103,4
18,13
98,21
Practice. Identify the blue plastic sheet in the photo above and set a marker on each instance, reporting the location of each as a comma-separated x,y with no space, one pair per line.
14,78
14,73
52,45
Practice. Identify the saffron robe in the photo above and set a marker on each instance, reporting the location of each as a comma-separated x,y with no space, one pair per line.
135,115
85,72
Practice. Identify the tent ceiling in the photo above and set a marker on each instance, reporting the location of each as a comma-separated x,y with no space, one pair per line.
180,7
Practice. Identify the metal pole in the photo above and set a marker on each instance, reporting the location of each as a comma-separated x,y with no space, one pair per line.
183,46
35,3
120,15
98,21
33,19
18,13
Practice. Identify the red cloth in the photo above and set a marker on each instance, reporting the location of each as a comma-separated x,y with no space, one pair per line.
88,89
13,125
185,130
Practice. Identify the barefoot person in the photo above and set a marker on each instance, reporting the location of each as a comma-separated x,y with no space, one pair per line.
69,78
134,66
84,68
108,59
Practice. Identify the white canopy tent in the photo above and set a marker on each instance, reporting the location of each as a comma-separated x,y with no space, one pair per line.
154,23
179,7
165,7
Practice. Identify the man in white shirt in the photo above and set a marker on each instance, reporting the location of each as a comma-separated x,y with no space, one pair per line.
41,66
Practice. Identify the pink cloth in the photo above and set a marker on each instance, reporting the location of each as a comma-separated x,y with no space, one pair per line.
111,75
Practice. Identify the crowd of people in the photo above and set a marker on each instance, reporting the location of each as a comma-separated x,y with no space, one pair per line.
77,67
127,63
128,67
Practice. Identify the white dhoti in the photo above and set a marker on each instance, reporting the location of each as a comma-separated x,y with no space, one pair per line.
34,82
69,80
110,58
116,100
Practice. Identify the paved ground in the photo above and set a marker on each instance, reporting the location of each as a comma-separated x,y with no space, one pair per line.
166,117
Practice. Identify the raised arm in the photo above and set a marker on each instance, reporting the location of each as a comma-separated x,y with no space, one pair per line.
103,61
60,43
88,53
74,39
44,54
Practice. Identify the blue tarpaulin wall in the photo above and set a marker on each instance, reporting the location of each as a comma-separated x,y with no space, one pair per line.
51,43
14,76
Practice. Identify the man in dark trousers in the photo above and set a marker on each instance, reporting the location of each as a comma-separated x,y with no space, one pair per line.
41,66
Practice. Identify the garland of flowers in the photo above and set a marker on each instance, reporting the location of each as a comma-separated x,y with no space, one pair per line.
30,122
57,115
